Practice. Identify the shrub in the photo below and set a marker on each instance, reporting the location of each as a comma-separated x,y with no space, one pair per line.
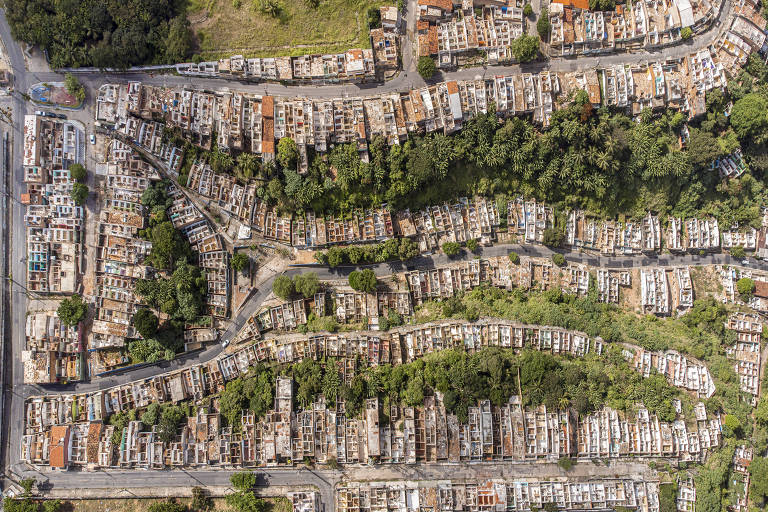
472,245
527,10
565,463
239,261
514,258
426,67
686,33
745,287
451,249
558,259
543,27
283,287
738,252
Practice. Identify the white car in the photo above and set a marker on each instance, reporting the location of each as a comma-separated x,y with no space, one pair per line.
224,343
745,262
93,139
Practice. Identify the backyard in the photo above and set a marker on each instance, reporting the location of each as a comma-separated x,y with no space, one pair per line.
296,28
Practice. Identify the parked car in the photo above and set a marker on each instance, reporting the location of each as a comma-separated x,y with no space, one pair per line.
39,113
93,139
60,116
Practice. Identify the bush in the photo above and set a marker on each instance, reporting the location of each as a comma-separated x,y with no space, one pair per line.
363,280
686,33
566,463
426,67
307,284
514,258
79,194
74,87
239,261
525,48
738,252
558,259
243,481
72,310
145,323
527,10
543,27
451,249
77,172
472,245
745,287
283,287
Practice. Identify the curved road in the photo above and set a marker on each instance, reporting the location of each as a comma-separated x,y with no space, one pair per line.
14,389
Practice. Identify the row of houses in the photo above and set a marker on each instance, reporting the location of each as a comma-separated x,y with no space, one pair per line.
576,30
53,351
425,434
518,495
120,251
745,352
52,219
680,371
212,256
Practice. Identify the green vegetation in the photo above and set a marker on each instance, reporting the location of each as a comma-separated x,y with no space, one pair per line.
392,249
543,26
285,27
167,418
103,33
525,48
514,258
527,10
78,173
306,284
74,87
180,296
668,497
451,249
566,463
426,67
558,259
473,245
283,287
746,288
602,5
145,322
79,193
240,261
243,481
254,391
363,280
72,310
169,505
686,33
738,252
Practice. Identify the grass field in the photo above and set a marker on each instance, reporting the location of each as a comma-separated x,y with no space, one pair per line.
223,29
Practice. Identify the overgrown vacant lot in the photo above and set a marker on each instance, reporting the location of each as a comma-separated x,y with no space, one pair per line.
333,26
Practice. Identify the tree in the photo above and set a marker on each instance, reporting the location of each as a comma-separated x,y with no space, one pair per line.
761,412
77,172
514,258
283,287
240,261
145,323
168,246
426,67
374,17
27,484
79,193
758,472
72,310
749,116
287,153
686,33
74,87
472,244
19,505
178,44
543,27
558,259
243,481
245,501
553,237
527,10
745,287
247,164
738,252
363,280
307,284
525,48
52,505
451,249
335,256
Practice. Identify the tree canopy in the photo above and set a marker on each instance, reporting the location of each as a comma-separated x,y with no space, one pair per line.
525,48
283,287
103,33
363,280
426,67
72,310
